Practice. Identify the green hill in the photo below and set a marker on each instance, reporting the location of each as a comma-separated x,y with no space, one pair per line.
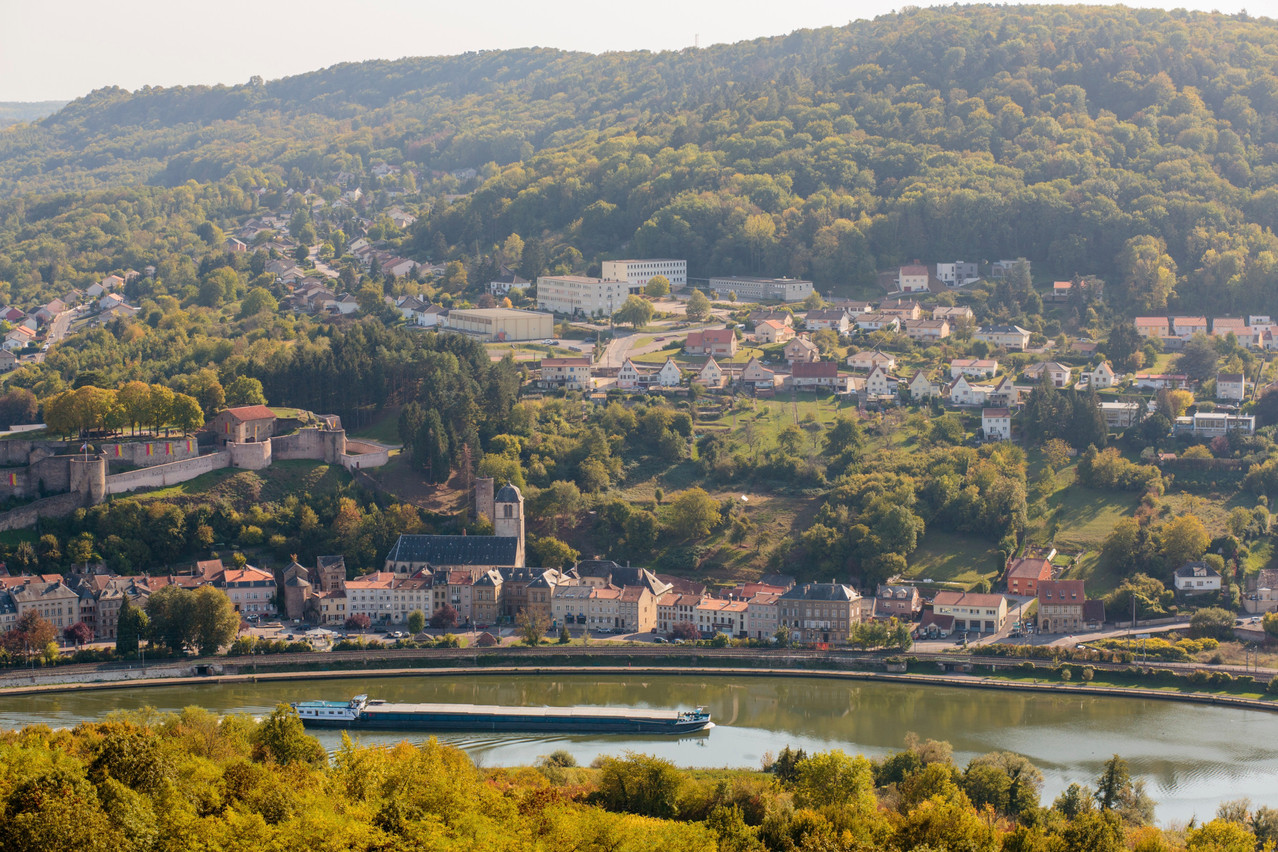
1060,133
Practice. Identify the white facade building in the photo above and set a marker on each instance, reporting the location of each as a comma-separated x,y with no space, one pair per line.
763,289
577,294
639,272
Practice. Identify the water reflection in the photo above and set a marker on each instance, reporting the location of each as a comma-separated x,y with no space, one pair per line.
1192,757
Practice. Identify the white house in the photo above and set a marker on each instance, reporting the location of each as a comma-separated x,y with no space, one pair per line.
1007,336
879,383
912,278
996,424
878,321
1187,327
669,376
758,376
1005,394
1058,374
835,320
1194,578
976,368
868,359
629,377
922,387
957,274
1231,386
963,392
1102,376
712,375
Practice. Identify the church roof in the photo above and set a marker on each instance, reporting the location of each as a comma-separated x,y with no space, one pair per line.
456,549
508,494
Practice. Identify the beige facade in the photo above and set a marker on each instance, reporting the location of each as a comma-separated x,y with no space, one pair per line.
820,612
251,590
976,612
501,323
570,373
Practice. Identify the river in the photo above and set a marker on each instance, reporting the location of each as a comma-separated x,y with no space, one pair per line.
1191,757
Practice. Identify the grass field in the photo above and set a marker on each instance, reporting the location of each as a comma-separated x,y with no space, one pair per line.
293,476
384,428
1079,518
959,559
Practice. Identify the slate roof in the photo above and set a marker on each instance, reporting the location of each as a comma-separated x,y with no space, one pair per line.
455,549
821,592
815,370
508,494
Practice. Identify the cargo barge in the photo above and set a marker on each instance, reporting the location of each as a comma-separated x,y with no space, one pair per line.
362,713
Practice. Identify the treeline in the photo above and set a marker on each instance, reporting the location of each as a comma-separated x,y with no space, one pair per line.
325,514
192,780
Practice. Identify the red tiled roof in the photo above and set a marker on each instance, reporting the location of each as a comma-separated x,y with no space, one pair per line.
245,413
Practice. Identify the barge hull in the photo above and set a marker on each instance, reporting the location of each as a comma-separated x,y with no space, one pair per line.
519,724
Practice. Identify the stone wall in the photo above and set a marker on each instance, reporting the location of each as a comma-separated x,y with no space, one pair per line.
364,454
254,455
150,453
312,443
164,475
54,466
58,506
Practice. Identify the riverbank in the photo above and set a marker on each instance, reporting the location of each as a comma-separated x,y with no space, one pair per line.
723,667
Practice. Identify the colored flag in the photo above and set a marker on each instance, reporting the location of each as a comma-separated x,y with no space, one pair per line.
148,449
168,449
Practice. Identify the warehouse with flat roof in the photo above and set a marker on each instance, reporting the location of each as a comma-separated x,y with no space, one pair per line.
501,323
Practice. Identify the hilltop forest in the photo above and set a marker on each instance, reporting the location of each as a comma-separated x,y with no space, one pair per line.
1104,140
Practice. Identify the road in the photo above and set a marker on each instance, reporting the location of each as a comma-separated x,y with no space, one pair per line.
60,326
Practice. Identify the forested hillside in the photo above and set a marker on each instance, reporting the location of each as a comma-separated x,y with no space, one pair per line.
1102,140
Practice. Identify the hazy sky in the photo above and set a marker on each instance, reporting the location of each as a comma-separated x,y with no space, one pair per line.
61,49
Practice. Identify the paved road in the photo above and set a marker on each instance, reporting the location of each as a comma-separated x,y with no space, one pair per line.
58,328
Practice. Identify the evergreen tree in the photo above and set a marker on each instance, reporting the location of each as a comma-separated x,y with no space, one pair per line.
130,626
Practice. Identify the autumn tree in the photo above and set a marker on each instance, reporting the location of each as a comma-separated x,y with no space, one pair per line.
214,621
657,286
280,738
245,390
698,307
693,514
1182,540
636,311
1148,273
531,625
444,617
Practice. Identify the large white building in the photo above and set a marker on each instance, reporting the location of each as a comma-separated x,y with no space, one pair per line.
640,272
577,294
763,289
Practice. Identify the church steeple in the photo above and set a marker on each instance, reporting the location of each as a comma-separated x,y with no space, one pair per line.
508,518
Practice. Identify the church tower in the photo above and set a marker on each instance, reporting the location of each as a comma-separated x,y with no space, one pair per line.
508,518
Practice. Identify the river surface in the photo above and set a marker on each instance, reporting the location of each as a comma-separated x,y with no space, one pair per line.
1191,757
